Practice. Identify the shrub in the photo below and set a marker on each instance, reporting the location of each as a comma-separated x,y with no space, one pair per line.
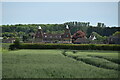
6,45
17,45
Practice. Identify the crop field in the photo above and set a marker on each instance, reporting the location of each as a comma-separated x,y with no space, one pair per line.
30,63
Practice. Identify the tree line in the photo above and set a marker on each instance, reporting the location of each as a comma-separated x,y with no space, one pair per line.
26,31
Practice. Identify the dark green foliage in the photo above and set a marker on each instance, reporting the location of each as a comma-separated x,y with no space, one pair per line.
6,45
25,29
74,51
64,53
17,42
103,31
116,33
9,34
100,25
67,46
16,45
12,47
25,38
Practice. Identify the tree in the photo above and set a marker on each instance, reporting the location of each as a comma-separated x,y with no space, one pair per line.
25,38
17,43
99,37
116,33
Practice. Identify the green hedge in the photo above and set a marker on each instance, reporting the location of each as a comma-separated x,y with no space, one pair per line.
66,46
6,45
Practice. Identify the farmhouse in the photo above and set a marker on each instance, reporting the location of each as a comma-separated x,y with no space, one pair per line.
79,37
114,39
41,37
66,37
8,40
92,37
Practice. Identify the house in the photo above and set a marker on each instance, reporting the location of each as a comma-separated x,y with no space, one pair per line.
49,38
8,40
114,39
38,37
66,37
92,37
41,37
79,37
81,40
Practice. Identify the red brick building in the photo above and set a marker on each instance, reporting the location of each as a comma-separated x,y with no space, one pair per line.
79,37
38,36
41,37
66,37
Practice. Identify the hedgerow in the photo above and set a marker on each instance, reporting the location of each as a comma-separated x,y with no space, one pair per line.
66,46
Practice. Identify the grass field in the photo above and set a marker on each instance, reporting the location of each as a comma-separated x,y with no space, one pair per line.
60,64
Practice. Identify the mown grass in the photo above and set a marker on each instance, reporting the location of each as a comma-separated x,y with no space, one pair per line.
53,64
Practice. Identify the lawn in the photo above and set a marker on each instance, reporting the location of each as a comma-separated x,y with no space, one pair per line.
60,64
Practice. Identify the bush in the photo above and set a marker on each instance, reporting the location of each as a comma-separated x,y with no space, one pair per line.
66,46
16,45
6,45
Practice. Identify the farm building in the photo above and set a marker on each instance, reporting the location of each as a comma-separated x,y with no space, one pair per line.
41,37
66,37
8,40
114,39
79,37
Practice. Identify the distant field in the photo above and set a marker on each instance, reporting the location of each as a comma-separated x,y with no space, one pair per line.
60,64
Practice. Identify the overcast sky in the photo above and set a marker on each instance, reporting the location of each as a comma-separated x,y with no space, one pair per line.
60,12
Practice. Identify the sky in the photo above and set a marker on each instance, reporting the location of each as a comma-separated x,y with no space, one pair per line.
60,12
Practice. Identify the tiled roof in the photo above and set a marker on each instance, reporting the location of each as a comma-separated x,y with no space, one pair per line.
46,35
81,40
78,34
